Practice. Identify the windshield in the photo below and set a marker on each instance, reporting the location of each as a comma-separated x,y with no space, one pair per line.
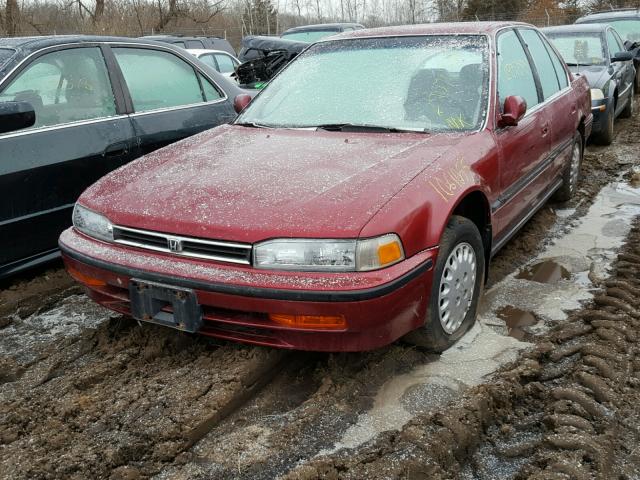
5,54
311,36
427,83
579,48
628,29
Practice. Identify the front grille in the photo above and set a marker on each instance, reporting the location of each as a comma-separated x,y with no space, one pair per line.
184,246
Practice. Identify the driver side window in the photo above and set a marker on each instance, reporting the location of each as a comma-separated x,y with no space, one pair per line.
64,86
515,76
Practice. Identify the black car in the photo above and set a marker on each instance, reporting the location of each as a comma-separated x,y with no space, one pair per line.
195,43
313,33
73,108
596,52
262,57
626,21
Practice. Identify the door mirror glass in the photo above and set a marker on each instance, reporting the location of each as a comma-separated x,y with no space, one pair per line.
16,116
514,109
622,57
241,102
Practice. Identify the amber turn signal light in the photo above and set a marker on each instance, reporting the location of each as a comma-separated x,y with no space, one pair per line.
86,279
309,321
389,253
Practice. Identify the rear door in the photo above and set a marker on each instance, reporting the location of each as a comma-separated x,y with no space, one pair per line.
81,133
525,147
170,98
558,100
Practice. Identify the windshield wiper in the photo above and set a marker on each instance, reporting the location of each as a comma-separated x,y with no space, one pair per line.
252,125
354,127
579,64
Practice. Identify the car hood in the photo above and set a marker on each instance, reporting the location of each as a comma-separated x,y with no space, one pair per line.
596,75
248,184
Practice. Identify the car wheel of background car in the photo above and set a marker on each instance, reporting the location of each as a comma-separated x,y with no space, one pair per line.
628,110
605,136
571,173
457,282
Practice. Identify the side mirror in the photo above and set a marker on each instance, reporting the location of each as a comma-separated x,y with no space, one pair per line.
241,101
514,109
622,57
16,116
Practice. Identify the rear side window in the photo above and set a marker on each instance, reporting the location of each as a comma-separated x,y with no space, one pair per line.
209,60
225,63
542,61
561,73
194,44
514,72
158,79
64,86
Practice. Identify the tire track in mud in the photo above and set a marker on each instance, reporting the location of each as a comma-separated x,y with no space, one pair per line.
569,409
119,401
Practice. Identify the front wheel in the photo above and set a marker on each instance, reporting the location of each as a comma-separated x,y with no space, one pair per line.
458,279
605,136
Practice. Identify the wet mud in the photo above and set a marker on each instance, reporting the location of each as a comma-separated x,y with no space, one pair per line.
546,385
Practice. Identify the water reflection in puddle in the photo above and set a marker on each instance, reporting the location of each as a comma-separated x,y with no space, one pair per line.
545,272
516,320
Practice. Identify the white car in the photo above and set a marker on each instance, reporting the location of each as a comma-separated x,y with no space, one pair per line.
223,62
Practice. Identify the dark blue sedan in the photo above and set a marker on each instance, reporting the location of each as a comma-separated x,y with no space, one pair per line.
596,51
73,108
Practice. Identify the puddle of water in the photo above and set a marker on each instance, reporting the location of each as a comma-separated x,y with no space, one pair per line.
545,272
516,320
559,280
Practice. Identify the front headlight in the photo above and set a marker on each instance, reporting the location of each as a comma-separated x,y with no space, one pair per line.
597,94
328,255
92,224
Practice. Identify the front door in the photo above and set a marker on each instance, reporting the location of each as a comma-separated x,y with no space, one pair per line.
79,135
525,147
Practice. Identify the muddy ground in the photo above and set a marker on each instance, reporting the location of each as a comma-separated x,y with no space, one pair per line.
531,392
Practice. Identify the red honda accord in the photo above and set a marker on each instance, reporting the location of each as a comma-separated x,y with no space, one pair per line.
356,200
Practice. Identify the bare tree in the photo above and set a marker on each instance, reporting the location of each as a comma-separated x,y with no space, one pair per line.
11,17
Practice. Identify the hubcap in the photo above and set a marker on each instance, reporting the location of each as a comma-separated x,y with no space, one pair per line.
457,286
575,167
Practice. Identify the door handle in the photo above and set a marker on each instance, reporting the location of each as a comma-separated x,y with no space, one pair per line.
116,149
545,130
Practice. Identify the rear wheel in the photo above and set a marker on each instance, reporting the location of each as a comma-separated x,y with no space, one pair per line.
629,109
571,173
458,278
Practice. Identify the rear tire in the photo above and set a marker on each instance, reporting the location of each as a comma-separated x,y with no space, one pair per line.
571,172
458,279
629,109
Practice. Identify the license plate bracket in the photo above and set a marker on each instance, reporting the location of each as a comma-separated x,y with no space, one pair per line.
174,307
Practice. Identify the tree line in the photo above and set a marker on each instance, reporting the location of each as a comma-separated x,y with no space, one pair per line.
235,18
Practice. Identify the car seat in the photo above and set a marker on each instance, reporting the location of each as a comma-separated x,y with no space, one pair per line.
430,95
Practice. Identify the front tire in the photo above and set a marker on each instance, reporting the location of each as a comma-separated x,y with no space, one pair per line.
605,137
458,279
571,173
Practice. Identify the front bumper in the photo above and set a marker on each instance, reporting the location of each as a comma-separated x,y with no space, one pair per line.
379,306
599,109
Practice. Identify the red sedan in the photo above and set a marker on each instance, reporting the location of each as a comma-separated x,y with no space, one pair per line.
356,200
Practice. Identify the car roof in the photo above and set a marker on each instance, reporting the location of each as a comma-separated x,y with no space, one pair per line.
322,26
578,28
202,51
31,44
611,15
453,28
